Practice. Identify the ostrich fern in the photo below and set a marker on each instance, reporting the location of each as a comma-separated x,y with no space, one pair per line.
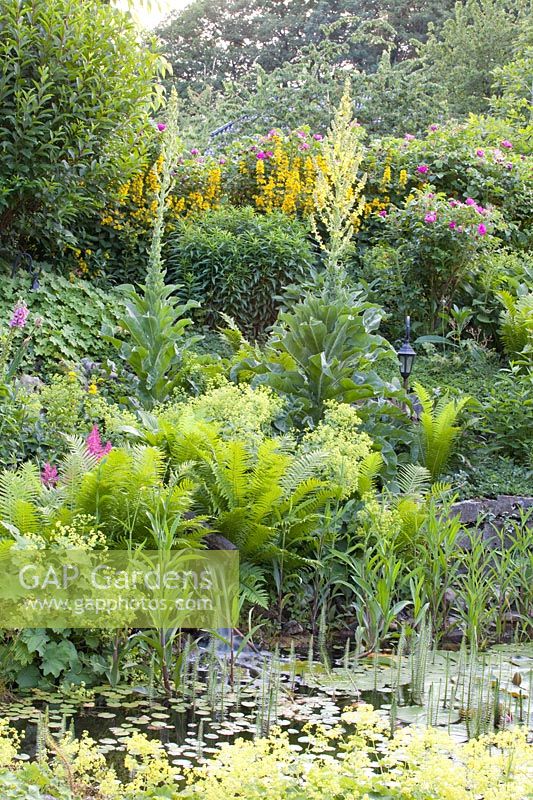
438,428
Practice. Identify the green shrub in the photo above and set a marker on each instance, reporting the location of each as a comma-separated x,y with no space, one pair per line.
438,239
236,261
76,88
71,313
507,418
493,272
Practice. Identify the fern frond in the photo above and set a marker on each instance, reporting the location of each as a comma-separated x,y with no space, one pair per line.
253,585
368,472
414,480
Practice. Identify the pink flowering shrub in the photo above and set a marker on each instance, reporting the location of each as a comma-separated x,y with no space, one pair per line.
484,159
437,238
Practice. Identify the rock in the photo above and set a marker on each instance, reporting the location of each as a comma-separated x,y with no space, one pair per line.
468,510
215,541
293,628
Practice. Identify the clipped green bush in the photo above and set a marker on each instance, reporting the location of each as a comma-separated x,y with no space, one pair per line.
236,261
76,88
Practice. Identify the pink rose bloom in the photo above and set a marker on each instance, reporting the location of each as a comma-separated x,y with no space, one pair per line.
261,155
49,475
452,225
507,144
481,210
383,213
422,168
454,203
470,201
318,137
480,153
481,229
431,217
161,126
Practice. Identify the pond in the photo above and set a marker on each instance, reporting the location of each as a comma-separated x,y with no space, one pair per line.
464,693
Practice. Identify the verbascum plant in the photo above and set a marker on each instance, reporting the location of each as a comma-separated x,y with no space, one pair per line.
338,195
150,336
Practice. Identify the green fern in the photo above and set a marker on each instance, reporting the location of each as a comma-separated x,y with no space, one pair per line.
260,498
516,323
414,480
20,493
438,428
369,470
253,585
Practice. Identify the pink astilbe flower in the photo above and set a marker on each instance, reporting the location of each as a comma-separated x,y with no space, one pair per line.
431,217
481,229
19,316
49,475
94,444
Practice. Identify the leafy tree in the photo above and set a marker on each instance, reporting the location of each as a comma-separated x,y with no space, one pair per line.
76,87
215,41
479,38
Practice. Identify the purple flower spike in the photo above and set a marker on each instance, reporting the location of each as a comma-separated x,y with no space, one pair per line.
49,475
19,316
94,444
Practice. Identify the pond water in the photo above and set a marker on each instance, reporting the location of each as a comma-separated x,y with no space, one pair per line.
464,693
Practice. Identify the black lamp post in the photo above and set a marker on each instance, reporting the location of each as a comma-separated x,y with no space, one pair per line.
406,355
